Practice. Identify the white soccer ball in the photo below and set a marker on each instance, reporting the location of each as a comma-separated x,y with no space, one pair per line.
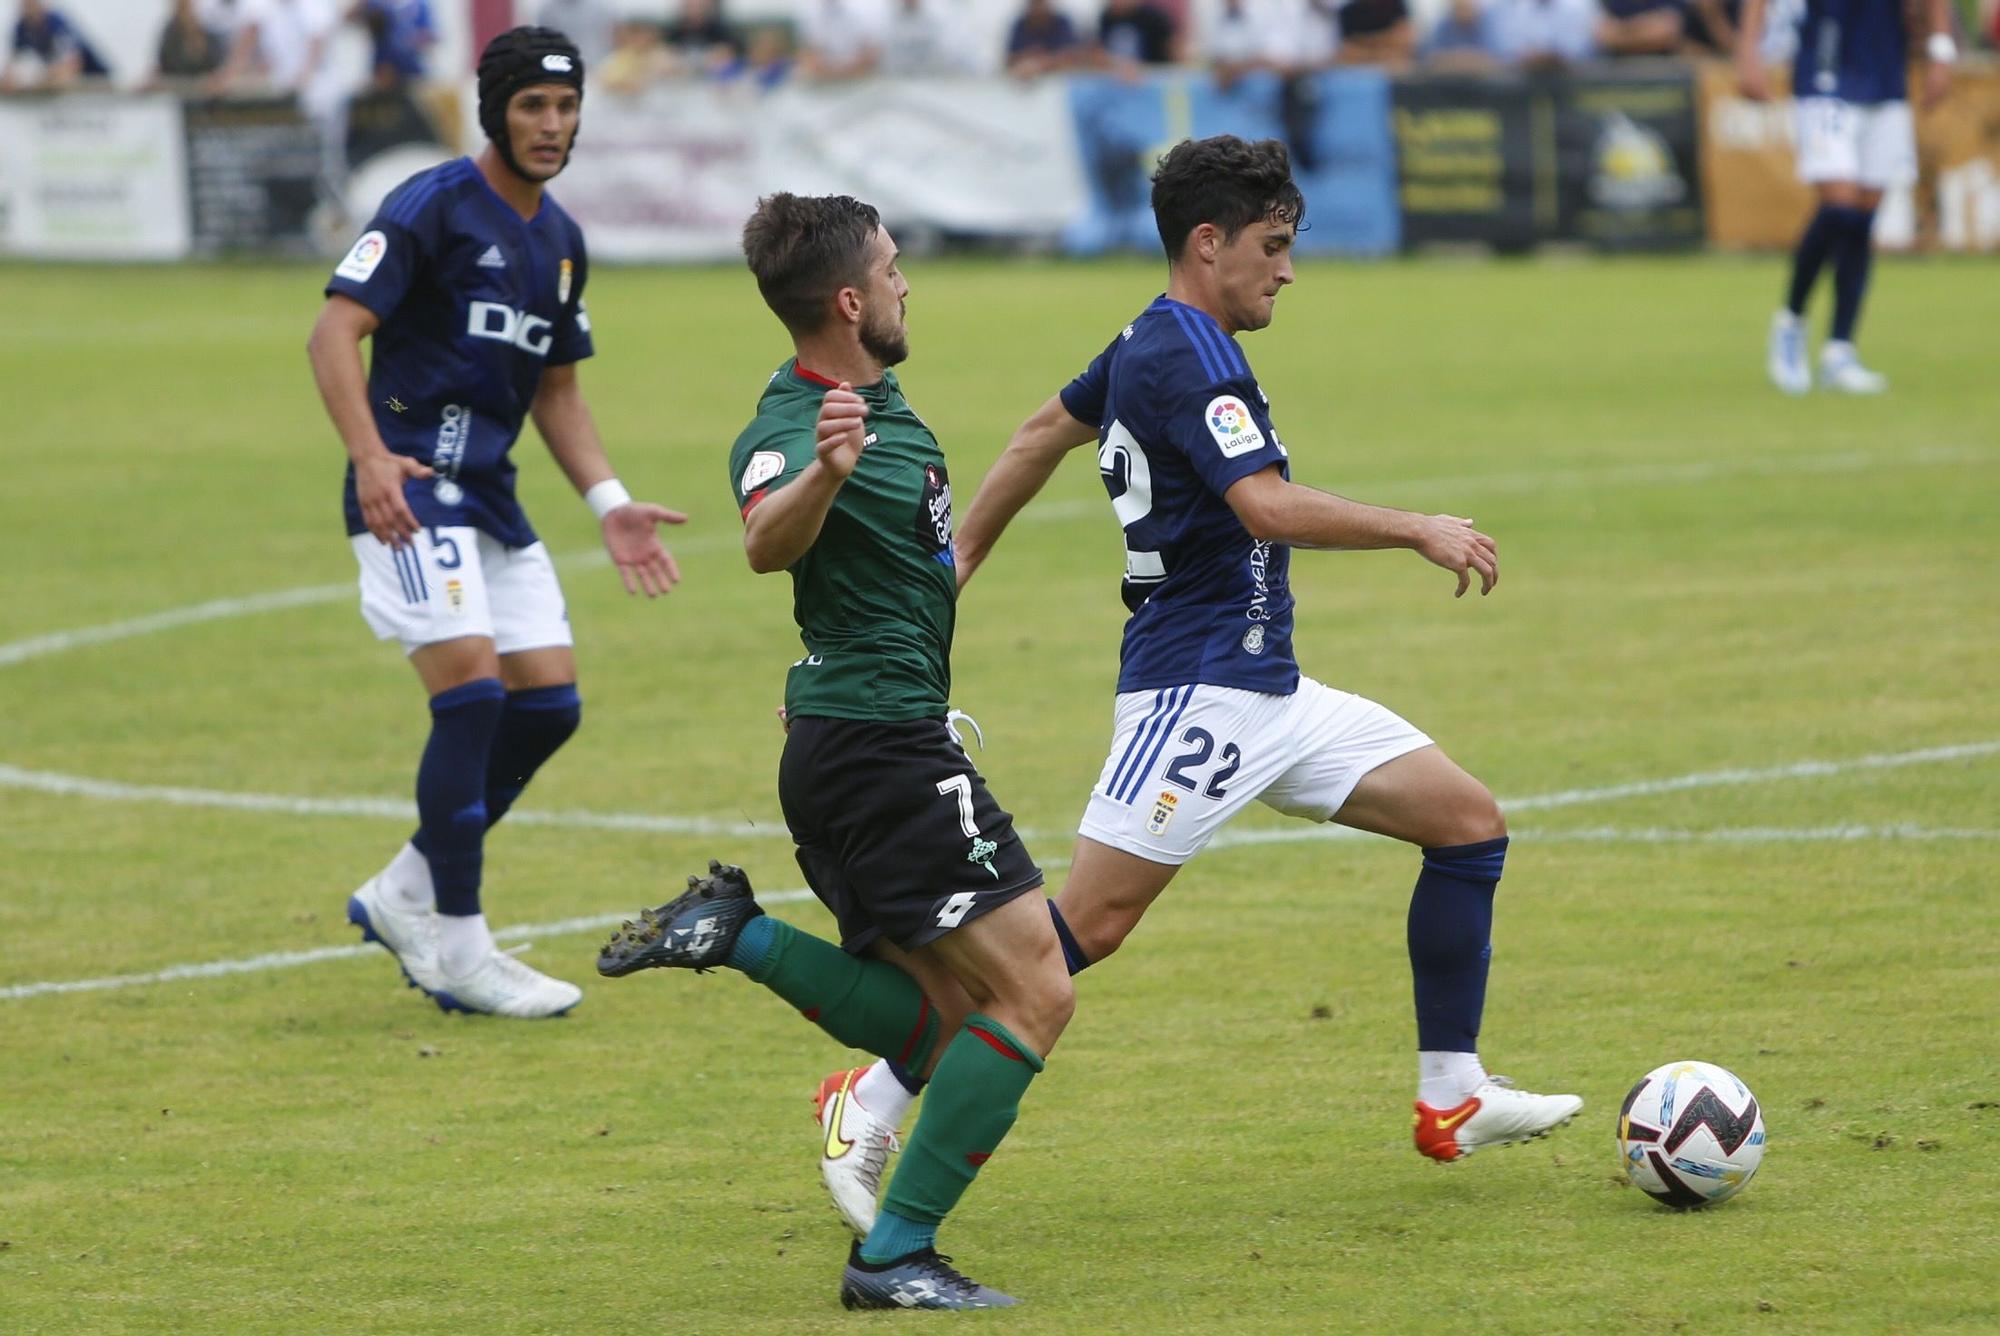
1690,1134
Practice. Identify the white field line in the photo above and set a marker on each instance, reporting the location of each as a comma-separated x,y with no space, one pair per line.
279,960
404,810
59,642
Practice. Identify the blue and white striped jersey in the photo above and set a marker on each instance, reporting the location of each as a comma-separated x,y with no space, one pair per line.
474,301
1180,420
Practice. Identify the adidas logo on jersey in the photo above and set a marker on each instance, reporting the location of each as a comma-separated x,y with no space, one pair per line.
493,259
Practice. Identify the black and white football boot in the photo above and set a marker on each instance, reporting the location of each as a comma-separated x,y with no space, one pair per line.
922,1279
694,931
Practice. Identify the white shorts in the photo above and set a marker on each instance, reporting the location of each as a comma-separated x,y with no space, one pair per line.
1873,145
451,582
1186,759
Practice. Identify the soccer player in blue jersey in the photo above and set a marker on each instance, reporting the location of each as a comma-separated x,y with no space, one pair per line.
470,280
1212,710
1855,141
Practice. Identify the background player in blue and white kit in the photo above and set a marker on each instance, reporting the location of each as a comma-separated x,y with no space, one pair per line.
1856,140
470,280
1212,711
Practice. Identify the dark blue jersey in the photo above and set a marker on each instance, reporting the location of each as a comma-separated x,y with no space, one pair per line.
1855,50
474,301
55,39
1180,419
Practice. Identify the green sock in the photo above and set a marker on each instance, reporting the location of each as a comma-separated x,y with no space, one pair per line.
866,1004
970,1103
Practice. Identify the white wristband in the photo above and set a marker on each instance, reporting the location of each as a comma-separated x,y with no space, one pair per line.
607,496
1941,49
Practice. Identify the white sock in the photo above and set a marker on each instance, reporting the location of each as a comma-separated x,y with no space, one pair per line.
406,882
882,1094
1445,1080
463,942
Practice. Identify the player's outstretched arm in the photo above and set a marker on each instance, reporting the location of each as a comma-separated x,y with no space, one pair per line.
1022,470
1276,510
778,529
335,352
630,527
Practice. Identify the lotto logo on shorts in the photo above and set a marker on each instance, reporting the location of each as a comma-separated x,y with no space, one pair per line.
1163,812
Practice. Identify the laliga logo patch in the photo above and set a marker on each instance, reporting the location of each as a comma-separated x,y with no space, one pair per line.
556,64
1163,812
764,466
361,261
1234,430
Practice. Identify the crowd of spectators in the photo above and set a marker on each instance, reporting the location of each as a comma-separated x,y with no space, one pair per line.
239,45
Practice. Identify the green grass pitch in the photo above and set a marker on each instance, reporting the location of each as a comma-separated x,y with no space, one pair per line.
1703,582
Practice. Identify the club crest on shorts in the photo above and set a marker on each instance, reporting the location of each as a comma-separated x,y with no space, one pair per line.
454,593
1163,812
563,273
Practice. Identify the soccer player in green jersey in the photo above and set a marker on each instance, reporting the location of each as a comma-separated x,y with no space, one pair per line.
947,964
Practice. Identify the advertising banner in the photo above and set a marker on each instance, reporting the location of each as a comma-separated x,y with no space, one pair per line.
93,176
672,173
253,168
1336,124
1606,158
1758,202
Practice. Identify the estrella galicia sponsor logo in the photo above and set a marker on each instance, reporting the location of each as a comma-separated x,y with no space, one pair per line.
361,262
1253,640
1230,423
495,320
934,513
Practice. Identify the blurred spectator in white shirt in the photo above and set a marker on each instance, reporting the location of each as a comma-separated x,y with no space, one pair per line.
841,39
281,46
920,40
588,23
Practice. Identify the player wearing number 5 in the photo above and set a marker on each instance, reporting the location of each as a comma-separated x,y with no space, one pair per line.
948,965
470,280
1212,711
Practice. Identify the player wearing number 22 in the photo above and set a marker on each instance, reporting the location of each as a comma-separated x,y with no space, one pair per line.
948,964
1212,711
470,281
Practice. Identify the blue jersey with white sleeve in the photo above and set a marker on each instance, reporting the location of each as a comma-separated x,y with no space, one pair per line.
1180,420
1854,50
474,301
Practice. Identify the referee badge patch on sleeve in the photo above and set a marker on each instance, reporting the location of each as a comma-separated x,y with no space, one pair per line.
1234,430
361,262
764,466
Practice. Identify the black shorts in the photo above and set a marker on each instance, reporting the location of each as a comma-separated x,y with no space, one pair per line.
896,831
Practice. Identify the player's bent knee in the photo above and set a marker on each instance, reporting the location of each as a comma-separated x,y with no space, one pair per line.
1476,817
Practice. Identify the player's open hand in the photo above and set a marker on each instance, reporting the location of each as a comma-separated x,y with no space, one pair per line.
841,432
1450,541
378,486
643,562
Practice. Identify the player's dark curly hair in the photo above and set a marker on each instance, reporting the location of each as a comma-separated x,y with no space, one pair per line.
1225,181
803,249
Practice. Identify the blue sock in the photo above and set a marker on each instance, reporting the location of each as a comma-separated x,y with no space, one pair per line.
1815,244
536,722
753,944
1851,263
896,1236
451,789
1072,953
909,1080
533,724
1450,935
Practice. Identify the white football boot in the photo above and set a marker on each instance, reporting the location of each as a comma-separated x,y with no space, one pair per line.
1785,354
500,985
1840,370
1496,1114
410,936
854,1148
